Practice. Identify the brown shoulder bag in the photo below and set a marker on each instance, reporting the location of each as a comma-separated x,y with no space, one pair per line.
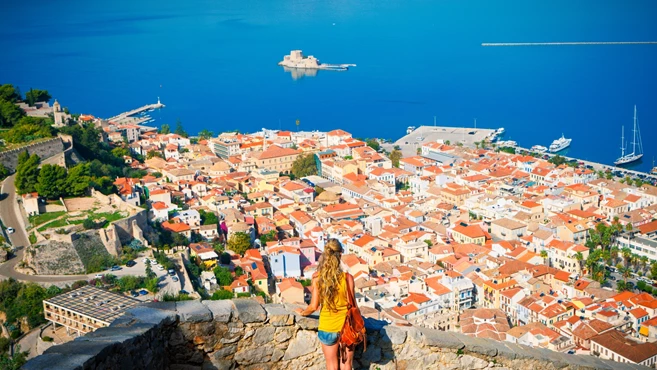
353,331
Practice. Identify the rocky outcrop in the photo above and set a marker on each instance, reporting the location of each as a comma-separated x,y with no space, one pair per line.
66,255
246,335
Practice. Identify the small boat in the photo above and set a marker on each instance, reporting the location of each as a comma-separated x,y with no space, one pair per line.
560,144
410,129
635,155
500,131
508,143
654,171
539,149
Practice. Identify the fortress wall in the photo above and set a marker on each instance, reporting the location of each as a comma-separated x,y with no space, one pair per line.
244,334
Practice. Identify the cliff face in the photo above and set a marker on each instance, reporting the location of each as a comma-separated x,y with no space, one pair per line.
243,334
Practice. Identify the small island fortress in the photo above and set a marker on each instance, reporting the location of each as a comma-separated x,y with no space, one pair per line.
297,60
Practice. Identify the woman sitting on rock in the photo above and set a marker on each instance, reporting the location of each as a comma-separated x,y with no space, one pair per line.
330,291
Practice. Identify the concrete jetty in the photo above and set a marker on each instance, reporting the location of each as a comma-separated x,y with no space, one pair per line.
127,117
425,134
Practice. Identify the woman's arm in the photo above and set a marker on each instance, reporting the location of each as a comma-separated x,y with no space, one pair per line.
352,286
314,301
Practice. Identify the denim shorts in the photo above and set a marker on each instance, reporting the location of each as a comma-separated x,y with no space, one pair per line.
328,338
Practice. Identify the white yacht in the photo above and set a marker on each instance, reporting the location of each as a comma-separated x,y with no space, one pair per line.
560,144
636,154
500,131
539,149
410,129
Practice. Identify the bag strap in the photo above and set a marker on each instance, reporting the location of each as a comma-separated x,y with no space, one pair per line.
350,293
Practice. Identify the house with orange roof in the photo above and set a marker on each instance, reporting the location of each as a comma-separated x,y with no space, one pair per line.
277,158
567,256
335,137
176,226
493,289
468,234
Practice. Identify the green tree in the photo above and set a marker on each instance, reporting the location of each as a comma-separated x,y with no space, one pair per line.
28,129
304,166
205,134
154,153
27,173
557,160
35,95
179,129
51,181
395,156
165,129
224,259
223,275
268,237
9,93
10,113
208,217
120,152
239,243
222,294
4,172
621,286
374,144
78,179
128,282
152,285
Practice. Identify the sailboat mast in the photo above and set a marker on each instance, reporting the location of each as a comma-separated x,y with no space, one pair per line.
634,133
622,141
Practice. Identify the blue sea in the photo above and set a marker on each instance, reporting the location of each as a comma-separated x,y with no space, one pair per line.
214,65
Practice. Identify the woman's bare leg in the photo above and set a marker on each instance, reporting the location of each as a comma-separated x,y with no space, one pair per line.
331,356
347,365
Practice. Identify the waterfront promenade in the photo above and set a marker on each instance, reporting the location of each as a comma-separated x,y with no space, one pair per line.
597,166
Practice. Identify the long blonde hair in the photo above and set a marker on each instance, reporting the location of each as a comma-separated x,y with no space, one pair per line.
330,274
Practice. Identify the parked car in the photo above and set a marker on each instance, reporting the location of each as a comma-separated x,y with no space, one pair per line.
130,263
134,293
116,268
145,260
183,291
175,278
172,272
160,267
571,352
98,276
10,230
143,292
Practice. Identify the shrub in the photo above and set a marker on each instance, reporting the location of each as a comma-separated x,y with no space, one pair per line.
47,338
243,295
222,294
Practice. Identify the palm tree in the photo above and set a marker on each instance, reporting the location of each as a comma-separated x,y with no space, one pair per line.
579,257
628,227
644,262
621,286
476,143
627,253
614,253
544,255
626,272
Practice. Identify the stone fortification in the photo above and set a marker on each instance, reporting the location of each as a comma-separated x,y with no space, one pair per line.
43,149
246,335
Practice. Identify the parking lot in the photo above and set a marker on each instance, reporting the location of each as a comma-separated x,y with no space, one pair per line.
166,284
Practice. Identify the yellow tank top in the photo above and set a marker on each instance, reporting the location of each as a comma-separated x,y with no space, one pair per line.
330,321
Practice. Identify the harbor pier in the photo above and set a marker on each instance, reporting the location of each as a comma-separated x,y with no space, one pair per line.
128,118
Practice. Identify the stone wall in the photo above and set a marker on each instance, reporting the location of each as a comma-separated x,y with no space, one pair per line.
243,334
43,149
